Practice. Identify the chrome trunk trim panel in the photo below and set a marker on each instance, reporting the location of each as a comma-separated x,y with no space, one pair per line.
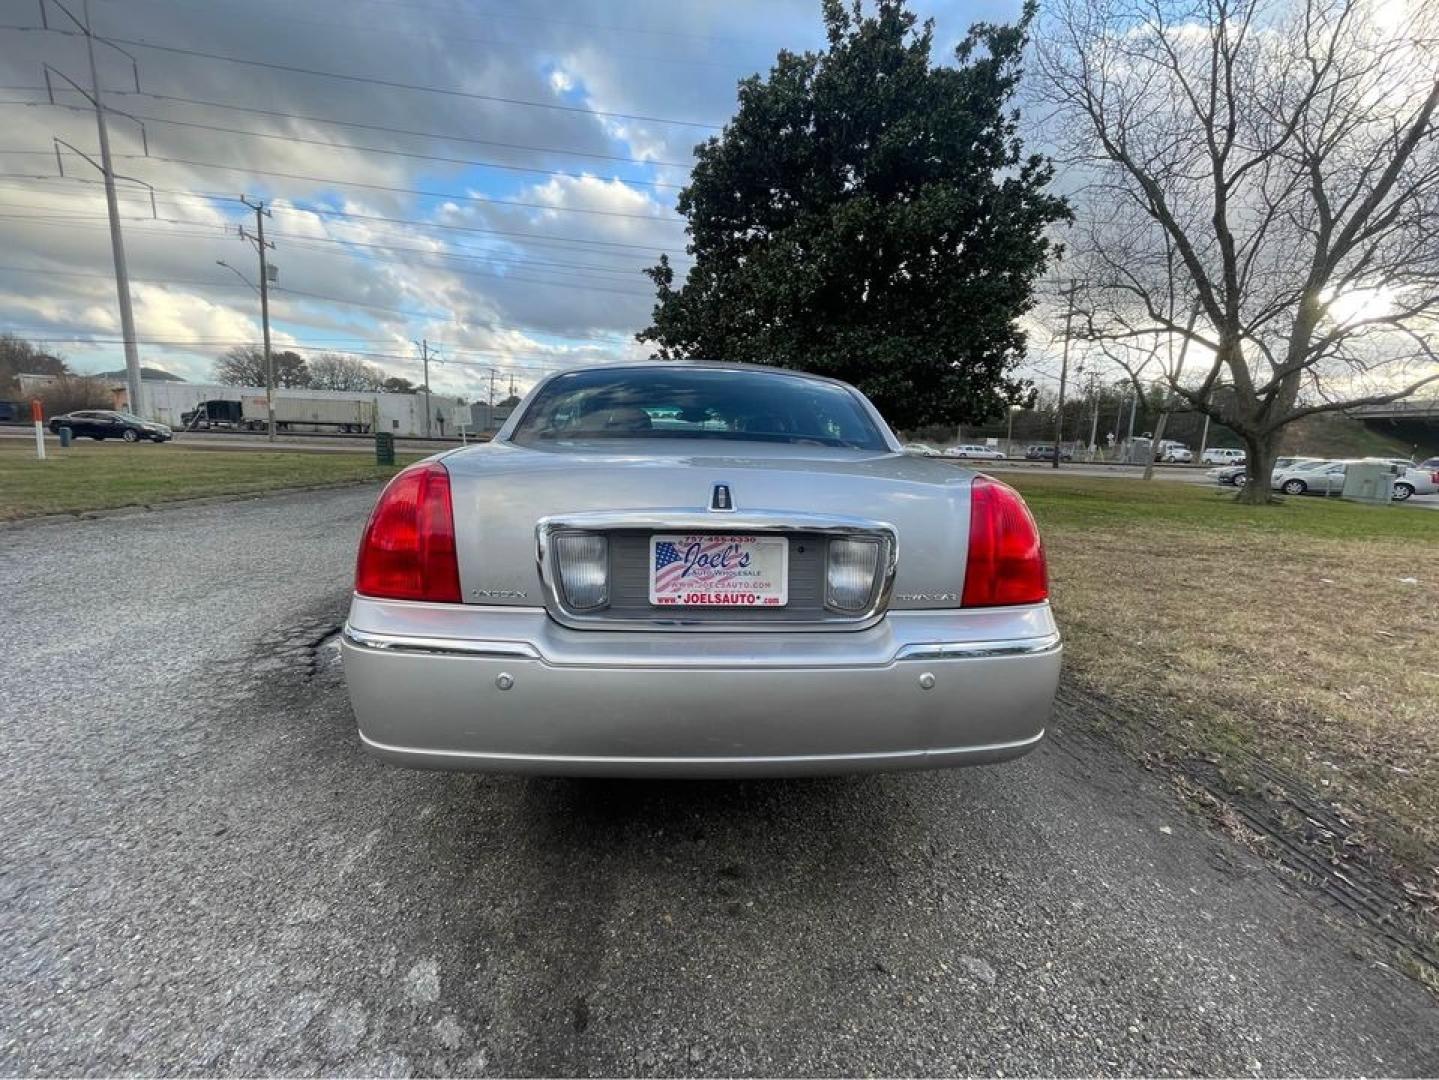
958,650
688,520
440,646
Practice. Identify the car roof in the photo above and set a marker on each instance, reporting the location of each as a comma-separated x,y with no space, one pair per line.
710,365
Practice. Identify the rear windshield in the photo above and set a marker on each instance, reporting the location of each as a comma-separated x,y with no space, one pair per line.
696,403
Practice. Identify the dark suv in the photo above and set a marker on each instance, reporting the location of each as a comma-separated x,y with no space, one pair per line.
104,424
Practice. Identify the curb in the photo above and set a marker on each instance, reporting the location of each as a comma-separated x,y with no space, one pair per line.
137,509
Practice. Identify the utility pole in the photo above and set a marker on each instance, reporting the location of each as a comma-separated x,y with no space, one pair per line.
1094,417
1063,374
1009,433
492,388
261,213
424,345
133,388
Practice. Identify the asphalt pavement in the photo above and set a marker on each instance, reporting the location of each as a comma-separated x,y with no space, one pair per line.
204,873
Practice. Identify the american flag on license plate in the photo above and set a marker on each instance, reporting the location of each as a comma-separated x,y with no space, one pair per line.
670,564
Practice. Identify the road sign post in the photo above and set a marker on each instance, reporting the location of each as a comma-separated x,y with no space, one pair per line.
37,413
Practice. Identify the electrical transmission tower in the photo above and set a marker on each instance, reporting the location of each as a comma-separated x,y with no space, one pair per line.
117,239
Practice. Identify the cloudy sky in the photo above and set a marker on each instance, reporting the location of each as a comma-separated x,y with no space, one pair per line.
488,175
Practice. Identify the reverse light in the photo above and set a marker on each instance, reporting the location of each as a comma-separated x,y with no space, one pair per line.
849,574
1006,559
408,549
583,562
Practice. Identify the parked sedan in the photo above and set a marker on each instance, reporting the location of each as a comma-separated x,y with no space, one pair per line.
105,424
1416,480
919,449
974,452
766,584
1237,476
1310,478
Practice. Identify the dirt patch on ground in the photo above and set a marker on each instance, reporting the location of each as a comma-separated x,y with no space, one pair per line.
1318,844
1280,665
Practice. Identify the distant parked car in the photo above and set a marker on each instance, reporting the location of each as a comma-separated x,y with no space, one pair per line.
919,449
1045,452
1310,478
100,424
1222,455
1236,475
974,451
1174,453
1429,463
1417,480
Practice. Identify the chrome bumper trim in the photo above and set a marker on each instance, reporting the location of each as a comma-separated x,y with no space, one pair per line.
957,650
760,759
937,650
440,646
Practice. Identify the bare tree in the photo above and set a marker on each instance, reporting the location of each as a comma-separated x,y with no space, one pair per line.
1271,166
20,357
334,371
244,365
71,392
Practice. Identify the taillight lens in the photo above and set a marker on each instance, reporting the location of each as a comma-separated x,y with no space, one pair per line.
1006,558
408,550
849,574
583,560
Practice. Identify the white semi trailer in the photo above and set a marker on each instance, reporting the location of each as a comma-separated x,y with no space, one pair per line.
291,414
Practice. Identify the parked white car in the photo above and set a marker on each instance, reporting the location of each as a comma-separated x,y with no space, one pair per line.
973,451
919,449
1222,455
1416,480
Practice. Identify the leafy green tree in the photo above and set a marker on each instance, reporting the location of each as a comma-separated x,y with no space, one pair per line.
870,216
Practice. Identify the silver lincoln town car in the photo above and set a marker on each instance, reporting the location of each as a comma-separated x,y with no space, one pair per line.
676,569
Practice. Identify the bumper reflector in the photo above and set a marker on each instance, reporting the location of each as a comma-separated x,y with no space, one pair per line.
849,574
583,562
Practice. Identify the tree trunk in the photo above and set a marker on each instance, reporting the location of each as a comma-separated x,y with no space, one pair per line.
1259,454
1159,426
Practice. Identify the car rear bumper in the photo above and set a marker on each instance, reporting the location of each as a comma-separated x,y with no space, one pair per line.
508,689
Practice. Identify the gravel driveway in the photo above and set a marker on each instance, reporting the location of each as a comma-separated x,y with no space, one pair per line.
203,873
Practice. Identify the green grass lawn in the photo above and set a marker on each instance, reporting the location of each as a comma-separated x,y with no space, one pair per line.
1302,634
113,474
1121,503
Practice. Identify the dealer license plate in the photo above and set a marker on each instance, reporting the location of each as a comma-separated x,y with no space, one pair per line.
719,571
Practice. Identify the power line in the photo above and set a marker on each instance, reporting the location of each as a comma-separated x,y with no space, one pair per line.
290,138
296,208
472,13
447,195
88,221
299,240
441,135
392,84
392,31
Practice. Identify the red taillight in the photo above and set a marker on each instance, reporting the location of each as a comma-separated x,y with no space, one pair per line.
1006,559
408,550
1434,476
